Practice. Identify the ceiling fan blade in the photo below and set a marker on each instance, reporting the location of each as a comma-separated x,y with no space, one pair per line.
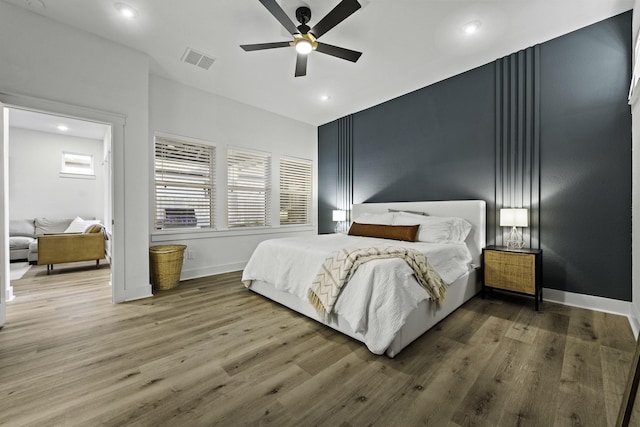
277,12
338,52
301,65
342,11
261,46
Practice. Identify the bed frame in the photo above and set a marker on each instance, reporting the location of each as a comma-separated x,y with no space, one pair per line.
426,315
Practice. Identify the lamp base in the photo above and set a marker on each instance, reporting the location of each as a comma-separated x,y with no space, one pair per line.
515,240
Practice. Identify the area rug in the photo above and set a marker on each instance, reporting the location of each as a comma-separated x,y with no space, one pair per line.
18,269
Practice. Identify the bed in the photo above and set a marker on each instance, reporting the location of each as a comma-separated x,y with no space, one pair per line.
278,266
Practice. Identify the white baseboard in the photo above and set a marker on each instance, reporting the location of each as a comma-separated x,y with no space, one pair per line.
211,270
138,292
8,293
634,319
590,302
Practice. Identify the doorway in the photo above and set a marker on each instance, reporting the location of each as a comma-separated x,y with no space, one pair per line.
60,167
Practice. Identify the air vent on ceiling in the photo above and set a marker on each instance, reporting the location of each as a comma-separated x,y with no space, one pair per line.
198,59
36,3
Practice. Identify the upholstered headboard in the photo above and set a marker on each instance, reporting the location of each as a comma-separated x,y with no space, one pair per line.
474,211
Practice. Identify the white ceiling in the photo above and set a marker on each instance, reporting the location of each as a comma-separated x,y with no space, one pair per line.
406,44
49,123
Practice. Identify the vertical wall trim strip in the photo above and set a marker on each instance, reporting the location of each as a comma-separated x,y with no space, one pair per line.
518,140
344,181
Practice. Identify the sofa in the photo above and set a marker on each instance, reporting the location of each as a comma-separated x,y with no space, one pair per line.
46,241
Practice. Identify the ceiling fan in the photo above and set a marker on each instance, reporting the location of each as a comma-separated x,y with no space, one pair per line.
305,39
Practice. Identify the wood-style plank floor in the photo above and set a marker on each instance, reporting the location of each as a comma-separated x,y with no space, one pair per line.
210,352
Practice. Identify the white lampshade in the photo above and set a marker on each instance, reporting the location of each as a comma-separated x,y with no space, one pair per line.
514,218
339,215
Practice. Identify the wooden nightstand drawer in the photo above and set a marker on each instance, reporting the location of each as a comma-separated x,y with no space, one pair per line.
510,271
515,270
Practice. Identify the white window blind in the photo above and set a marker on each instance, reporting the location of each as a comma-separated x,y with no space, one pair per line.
295,191
248,188
184,184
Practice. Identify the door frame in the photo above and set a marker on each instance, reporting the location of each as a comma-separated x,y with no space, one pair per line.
6,291
117,123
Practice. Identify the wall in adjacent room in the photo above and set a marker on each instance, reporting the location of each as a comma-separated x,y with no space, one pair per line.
36,188
183,111
547,128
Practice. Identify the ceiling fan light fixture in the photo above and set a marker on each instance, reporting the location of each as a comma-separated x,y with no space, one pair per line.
303,46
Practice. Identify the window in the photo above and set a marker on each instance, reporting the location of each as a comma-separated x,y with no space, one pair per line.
76,164
295,191
248,188
184,184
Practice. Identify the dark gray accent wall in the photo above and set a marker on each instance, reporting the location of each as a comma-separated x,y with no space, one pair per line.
433,144
585,175
548,131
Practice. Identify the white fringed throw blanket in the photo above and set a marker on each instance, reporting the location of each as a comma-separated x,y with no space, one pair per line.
337,269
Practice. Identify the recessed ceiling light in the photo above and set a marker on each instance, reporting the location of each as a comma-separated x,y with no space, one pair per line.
471,27
325,97
126,10
62,128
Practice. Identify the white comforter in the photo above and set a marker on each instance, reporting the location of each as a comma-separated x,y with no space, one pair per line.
381,294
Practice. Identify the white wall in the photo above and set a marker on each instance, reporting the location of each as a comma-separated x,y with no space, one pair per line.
43,59
181,110
36,188
635,195
48,61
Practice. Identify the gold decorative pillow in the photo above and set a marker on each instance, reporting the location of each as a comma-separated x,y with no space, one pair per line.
396,232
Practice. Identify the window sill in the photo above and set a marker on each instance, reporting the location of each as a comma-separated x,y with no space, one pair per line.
77,175
207,233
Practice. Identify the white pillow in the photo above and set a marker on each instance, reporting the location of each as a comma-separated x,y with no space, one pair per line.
79,225
436,229
371,218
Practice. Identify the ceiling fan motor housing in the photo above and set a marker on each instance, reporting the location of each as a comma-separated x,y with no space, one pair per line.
303,15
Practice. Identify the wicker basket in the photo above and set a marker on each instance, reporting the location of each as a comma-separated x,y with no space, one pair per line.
165,265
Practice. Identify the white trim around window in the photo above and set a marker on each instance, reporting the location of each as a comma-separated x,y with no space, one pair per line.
184,183
248,188
76,165
296,191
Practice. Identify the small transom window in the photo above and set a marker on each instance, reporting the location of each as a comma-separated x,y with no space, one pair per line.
77,164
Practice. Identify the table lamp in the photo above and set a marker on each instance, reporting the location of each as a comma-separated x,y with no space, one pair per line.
339,216
510,217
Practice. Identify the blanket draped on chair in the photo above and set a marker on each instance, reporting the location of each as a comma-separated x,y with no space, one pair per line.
337,269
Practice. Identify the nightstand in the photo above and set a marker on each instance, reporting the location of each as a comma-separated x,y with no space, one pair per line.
514,270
